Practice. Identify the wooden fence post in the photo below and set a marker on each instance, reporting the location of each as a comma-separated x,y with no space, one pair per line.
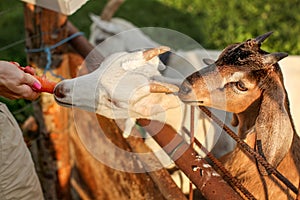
44,28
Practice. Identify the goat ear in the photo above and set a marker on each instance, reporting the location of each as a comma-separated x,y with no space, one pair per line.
107,26
272,58
273,125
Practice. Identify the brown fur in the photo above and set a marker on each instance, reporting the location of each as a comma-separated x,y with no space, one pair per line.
248,82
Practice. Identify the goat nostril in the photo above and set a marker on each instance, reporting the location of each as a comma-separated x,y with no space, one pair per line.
59,91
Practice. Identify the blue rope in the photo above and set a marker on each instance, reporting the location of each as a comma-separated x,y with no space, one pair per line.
48,49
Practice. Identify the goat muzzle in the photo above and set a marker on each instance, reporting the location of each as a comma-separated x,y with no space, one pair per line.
59,91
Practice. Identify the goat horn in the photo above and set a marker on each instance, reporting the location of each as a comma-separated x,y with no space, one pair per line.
272,58
260,39
156,87
151,53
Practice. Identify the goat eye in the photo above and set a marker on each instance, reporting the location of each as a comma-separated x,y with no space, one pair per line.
241,86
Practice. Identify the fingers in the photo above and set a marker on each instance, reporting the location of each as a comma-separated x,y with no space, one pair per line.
17,82
28,76
32,82
26,69
29,70
24,92
29,94
28,87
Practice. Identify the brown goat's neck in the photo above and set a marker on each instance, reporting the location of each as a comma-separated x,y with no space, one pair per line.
295,152
247,119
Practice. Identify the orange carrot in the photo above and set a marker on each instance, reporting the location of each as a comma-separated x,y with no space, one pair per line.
47,85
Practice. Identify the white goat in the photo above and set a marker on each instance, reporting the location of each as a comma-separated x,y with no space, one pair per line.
118,35
248,81
121,89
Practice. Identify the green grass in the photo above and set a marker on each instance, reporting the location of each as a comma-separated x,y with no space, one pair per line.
12,43
142,13
214,24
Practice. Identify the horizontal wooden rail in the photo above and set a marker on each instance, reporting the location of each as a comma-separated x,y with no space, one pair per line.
203,176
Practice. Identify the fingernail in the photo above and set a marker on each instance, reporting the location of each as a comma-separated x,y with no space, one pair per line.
36,85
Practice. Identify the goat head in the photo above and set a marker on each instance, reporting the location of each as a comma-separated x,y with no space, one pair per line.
242,75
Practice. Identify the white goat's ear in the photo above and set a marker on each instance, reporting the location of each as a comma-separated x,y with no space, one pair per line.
273,125
108,26
208,61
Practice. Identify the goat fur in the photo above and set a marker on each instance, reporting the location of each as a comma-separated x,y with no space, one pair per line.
265,124
244,167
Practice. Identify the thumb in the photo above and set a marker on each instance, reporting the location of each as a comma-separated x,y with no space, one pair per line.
32,82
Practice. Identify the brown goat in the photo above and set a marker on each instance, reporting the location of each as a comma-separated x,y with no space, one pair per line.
248,82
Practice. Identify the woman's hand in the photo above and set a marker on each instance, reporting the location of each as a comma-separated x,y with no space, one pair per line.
15,83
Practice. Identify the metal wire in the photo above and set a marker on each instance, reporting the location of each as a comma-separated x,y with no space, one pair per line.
192,140
245,147
232,181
